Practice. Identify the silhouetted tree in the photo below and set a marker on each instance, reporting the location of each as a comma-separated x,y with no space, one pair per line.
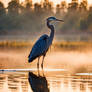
13,7
48,6
73,6
2,16
63,6
29,5
2,9
89,19
29,16
37,8
58,9
83,5
28,8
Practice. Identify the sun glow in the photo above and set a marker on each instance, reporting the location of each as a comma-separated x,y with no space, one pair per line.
68,1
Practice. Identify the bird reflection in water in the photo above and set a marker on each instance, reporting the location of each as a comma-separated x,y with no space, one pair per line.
38,83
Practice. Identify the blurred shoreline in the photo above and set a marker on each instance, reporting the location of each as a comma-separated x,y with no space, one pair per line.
72,45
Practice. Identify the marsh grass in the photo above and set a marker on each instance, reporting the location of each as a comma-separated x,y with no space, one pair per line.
64,44
15,44
77,45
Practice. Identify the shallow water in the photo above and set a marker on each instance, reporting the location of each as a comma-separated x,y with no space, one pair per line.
51,81
65,71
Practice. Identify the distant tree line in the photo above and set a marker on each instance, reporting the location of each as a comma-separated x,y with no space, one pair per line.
28,16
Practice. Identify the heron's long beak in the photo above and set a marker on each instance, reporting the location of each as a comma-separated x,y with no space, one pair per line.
59,20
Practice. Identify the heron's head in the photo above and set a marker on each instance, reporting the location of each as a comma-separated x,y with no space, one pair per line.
54,19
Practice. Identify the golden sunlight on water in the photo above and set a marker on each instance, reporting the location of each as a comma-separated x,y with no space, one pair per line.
65,71
59,81
75,61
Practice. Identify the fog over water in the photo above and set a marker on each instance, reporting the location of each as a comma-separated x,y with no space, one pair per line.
75,61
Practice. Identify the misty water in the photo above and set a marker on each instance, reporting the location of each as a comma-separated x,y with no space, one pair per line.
64,71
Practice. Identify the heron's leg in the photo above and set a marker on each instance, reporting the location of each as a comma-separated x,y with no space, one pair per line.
38,65
42,65
42,62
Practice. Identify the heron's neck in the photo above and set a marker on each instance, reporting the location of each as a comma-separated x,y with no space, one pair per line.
51,27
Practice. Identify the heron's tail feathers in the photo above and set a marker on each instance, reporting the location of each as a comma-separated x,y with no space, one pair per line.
30,59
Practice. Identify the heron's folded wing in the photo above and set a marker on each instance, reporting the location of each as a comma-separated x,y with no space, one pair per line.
40,47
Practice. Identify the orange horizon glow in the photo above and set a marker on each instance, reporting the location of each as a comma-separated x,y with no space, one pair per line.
55,2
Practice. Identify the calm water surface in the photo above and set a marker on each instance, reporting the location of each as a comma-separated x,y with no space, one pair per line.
53,81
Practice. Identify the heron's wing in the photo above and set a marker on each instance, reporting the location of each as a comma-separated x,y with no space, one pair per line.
40,47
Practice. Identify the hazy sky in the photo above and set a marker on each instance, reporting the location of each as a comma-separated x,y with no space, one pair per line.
55,1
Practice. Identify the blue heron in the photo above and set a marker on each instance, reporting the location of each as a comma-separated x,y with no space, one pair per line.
42,45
